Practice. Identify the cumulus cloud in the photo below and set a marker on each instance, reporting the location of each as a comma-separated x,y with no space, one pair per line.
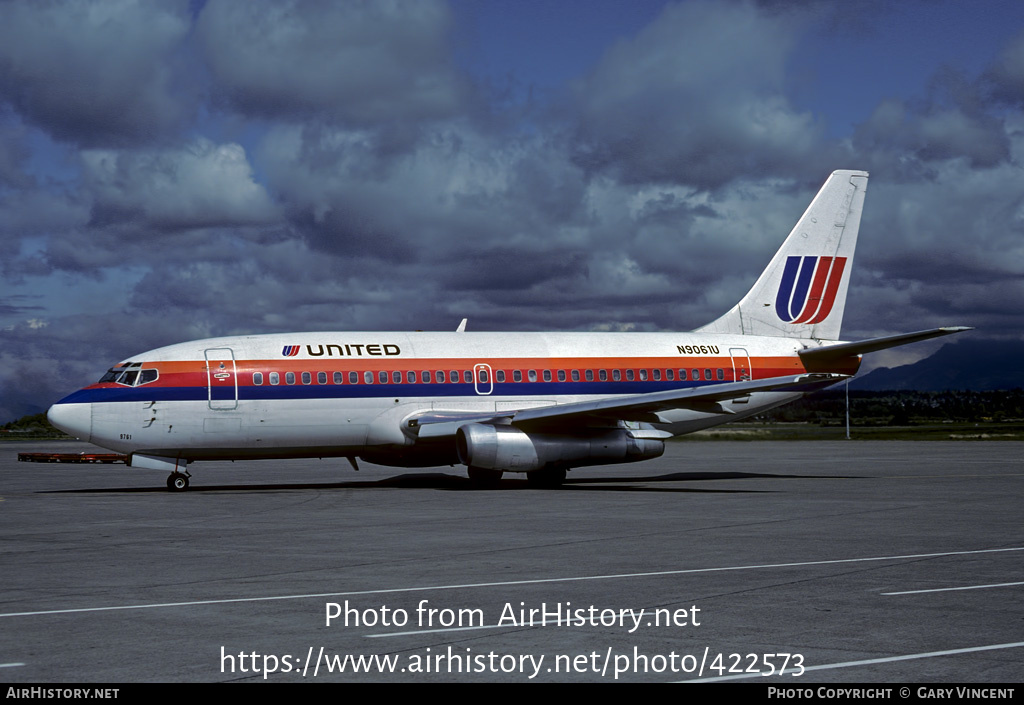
673,104
897,136
199,185
95,73
361,63
460,192
1006,75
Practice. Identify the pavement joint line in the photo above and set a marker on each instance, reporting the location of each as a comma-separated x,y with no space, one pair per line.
506,583
951,589
865,662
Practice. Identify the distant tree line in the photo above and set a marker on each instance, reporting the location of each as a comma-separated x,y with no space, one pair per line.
33,426
902,408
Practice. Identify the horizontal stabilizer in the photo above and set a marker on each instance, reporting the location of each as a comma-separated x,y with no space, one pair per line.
815,358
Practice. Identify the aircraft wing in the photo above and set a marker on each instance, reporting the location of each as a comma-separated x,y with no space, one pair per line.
634,407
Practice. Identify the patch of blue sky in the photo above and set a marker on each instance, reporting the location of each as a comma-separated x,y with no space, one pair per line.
850,64
542,45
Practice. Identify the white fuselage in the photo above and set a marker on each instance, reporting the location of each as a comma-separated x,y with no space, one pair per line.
352,394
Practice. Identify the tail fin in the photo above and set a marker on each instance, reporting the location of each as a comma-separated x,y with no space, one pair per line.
802,293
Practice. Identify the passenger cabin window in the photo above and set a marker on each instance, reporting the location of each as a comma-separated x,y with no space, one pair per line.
499,375
602,375
353,378
720,374
467,376
439,376
547,375
656,374
275,378
289,378
531,375
589,375
561,375
575,375
321,378
707,373
368,377
396,377
257,378
382,377
629,375
453,376
307,378
616,376
339,378
410,377
517,375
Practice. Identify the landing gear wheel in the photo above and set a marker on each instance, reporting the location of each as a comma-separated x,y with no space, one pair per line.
484,477
177,482
547,478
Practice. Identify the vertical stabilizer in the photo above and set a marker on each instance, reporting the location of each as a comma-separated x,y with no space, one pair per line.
802,293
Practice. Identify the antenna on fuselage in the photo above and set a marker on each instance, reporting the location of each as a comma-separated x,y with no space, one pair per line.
462,326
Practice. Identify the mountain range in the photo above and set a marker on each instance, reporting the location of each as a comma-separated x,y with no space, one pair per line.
977,365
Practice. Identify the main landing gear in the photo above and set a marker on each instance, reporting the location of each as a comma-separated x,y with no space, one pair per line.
546,478
178,481
484,477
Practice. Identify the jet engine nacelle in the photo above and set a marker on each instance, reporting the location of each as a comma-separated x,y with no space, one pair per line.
511,449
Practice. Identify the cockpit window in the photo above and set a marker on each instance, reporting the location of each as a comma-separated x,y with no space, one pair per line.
130,374
128,378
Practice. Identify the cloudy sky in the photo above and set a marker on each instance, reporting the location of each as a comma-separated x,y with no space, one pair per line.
178,170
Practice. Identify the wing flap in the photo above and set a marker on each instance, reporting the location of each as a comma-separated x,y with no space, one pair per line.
697,398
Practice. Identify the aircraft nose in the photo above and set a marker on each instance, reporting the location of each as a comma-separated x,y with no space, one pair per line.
73,419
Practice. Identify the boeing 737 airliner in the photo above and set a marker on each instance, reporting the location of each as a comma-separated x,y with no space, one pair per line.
535,403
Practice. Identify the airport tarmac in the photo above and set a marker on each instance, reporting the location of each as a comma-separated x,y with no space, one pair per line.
856,561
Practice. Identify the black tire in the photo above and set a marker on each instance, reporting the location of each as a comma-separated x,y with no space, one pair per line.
484,477
546,478
177,482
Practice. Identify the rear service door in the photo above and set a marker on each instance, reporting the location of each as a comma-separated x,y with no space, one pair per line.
741,370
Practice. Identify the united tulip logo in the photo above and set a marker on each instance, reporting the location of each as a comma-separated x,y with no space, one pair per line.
291,350
808,289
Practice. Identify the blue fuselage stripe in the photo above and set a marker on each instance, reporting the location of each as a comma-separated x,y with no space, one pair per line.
370,391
